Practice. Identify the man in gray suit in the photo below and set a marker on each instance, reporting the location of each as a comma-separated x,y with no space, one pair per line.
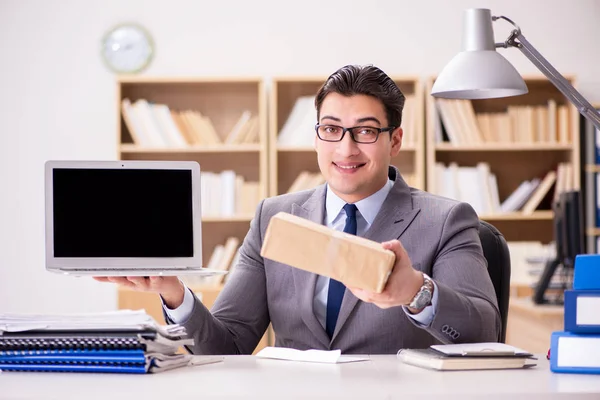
439,290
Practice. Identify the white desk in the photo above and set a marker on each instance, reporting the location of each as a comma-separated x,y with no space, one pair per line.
383,377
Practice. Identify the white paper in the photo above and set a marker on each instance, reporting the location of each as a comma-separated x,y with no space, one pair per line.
587,310
491,348
578,352
117,320
317,356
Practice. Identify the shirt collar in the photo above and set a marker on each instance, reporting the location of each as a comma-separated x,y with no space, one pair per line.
368,207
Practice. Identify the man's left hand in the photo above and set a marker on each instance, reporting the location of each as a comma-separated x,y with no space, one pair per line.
403,283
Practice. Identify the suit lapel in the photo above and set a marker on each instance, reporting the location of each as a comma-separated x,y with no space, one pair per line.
394,217
304,282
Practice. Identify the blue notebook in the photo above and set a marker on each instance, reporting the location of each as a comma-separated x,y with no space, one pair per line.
73,356
121,361
107,368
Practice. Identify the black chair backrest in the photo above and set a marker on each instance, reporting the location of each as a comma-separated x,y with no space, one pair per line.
497,255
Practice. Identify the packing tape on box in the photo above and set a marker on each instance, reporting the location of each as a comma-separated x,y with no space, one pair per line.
335,246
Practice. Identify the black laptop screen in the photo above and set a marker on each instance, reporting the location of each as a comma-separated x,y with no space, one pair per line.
122,213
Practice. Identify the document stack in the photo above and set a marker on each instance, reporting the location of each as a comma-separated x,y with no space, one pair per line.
125,341
577,348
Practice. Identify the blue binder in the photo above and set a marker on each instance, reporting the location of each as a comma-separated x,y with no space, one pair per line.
571,297
107,368
587,272
74,360
574,367
73,356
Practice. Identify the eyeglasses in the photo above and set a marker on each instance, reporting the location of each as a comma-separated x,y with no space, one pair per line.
360,134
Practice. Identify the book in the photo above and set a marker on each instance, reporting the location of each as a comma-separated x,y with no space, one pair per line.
484,349
469,356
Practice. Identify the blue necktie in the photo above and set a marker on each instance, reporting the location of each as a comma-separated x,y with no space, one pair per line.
336,289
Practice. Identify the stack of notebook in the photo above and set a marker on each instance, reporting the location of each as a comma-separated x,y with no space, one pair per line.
124,342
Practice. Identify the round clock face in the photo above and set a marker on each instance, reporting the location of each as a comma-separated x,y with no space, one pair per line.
127,48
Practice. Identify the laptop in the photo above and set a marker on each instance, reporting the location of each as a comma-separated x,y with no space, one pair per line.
124,218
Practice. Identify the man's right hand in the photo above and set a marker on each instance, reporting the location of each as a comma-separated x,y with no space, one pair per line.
169,288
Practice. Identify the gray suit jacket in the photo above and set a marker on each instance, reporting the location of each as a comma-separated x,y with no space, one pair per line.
442,240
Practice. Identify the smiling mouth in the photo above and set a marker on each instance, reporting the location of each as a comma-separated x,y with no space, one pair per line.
349,167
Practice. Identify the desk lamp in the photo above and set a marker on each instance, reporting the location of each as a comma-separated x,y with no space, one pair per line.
479,72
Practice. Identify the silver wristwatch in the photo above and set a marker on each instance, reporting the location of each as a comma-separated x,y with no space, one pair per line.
423,297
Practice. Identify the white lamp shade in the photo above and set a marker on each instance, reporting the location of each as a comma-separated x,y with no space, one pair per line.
481,74
478,72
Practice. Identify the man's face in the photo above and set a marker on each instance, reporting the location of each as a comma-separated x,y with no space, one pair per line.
355,171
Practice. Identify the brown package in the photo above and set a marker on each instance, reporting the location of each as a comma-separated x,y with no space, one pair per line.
352,260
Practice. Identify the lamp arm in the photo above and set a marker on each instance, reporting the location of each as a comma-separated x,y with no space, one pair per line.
583,106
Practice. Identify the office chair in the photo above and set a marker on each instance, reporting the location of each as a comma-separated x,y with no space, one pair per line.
497,255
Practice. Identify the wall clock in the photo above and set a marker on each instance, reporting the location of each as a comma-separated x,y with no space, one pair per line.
127,48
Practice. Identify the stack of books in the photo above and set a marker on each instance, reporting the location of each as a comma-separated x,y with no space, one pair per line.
125,341
576,349
468,356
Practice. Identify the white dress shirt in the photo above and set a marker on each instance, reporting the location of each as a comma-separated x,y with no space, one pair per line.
335,218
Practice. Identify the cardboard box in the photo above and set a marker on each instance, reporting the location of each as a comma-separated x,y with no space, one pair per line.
352,260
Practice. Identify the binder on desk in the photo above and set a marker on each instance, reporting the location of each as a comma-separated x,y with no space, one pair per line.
73,356
119,361
587,272
581,311
575,353
112,368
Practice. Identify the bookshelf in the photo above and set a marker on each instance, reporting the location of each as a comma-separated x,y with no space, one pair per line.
291,131
134,300
515,140
221,123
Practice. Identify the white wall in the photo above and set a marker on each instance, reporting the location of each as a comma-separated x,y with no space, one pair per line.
57,100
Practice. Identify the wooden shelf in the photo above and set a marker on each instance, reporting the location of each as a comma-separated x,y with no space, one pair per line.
206,288
296,149
225,148
530,325
592,232
192,102
517,216
236,218
186,80
593,168
512,163
539,310
506,147
309,149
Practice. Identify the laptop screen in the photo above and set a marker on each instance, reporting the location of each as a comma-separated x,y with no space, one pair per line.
122,213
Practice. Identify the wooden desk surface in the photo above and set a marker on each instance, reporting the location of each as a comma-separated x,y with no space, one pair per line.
382,377
530,325
526,305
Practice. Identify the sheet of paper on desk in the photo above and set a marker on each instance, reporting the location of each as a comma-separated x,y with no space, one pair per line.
480,349
111,320
317,356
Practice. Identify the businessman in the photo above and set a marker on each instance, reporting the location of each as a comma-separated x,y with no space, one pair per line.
439,290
